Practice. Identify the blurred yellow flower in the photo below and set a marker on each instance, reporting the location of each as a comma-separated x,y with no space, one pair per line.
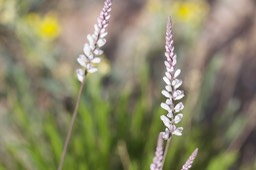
186,11
189,11
47,27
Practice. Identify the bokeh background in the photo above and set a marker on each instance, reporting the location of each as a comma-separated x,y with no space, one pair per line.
118,121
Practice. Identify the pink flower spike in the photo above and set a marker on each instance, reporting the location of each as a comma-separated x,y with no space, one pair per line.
96,40
171,91
190,160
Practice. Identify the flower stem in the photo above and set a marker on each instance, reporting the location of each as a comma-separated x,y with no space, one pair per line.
64,151
166,150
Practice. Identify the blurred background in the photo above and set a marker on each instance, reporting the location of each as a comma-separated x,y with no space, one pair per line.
118,121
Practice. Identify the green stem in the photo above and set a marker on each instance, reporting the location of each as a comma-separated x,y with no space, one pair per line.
64,151
166,150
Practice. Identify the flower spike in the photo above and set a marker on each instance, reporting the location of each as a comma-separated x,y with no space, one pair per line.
158,158
190,160
96,40
171,91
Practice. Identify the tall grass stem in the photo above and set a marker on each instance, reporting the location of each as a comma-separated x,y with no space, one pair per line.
71,126
166,150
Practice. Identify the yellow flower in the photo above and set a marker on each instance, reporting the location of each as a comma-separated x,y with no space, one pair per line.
191,11
49,27
46,28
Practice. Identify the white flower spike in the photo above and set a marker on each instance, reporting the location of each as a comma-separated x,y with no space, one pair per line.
96,40
171,91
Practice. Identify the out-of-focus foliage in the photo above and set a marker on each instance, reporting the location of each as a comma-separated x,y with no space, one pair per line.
223,161
118,121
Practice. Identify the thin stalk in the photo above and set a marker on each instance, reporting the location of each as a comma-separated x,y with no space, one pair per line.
71,126
166,150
